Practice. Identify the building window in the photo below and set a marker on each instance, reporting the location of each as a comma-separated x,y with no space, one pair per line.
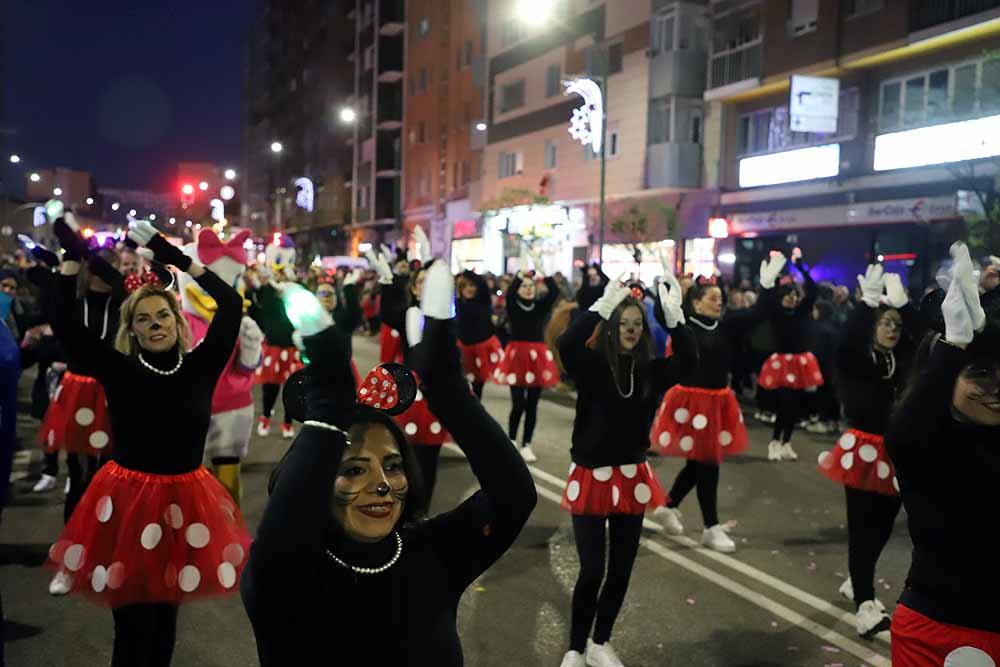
769,130
614,146
550,154
510,32
696,126
802,17
363,197
595,59
511,164
659,121
861,7
512,96
422,81
424,26
663,32
941,95
553,80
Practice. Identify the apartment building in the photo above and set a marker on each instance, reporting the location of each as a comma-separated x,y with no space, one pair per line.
918,97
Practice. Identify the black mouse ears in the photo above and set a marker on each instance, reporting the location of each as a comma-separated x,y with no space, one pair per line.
391,388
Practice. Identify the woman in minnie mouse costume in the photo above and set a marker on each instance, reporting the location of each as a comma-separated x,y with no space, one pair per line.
280,356
477,339
155,529
608,353
792,371
873,361
528,365
942,439
341,553
699,419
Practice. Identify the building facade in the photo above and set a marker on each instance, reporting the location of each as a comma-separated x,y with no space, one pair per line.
902,162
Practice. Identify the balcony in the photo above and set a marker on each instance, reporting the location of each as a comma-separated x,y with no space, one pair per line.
673,165
386,200
390,106
736,65
390,59
737,43
392,17
389,159
929,13
677,73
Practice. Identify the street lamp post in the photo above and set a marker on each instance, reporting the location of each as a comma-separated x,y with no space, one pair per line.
276,149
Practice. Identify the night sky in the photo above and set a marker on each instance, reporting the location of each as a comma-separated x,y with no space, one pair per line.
124,89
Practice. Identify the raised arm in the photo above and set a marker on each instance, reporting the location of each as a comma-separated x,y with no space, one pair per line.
473,536
551,296
580,361
393,308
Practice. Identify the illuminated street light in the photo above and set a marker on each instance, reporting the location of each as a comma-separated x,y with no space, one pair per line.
173,221
35,178
187,189
535,12
276,147
115,206
227,192
481,127
90,201
203,186
15,159
57,192
152,216
230,174
198,226
132,212
188,223
348,115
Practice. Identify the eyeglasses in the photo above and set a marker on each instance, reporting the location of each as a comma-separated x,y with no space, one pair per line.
324,293
891,324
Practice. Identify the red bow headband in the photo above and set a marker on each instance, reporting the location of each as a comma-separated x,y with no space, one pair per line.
211,248
389,388
637,293
134,281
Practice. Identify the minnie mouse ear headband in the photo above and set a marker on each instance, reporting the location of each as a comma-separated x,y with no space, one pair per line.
134,281
389,389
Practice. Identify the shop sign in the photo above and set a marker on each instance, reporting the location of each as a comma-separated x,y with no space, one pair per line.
464,229
921,209
938,144
814,104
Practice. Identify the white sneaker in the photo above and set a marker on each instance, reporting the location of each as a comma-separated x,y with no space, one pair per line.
715,538
671,518
847,589
820,428
602,655
66,489
573,659
787,453
871,621
774,450
528,454
263,427
770,417
46,483
287,431
60,584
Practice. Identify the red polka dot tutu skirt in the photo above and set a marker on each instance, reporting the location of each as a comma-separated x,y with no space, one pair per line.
420,425
790,371
920,641
480,361
628,489
137,537
390,345
700,424
77,420
277,364
527,364
859,460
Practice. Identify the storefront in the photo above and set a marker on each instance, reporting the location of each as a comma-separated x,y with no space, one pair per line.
549,229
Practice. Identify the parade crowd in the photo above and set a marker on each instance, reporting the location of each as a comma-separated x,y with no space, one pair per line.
146,356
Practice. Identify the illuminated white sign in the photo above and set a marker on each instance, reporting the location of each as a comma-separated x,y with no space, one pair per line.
938,144
304,196
799,165
587,124
39,218
920,209
814,104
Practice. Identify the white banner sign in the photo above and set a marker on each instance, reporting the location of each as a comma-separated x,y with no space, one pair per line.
923,209
814,104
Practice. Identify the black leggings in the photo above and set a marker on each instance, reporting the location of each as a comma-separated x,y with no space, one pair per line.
82,469
792,404
870,517
524,400
51,464
590,598
270,393
427,458
477,389
144,635
706,477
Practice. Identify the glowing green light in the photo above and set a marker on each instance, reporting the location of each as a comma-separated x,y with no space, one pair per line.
54,209
302,307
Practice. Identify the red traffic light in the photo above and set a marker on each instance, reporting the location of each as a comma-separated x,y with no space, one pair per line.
187,189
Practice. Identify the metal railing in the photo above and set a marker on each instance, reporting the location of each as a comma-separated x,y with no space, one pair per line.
737,64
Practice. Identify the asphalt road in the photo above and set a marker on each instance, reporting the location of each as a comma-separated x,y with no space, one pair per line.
773,602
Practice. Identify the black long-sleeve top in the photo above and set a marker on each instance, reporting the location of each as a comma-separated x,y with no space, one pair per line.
44,353
527,320
158,422
347,314
712,346
947,470
308,610
267,309
868,389
588,294
475,316
612,429
791,326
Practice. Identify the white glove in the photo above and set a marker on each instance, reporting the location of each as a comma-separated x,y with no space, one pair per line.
671,301
437,297
380,265
251,338
145,253
614,293
536,261
54,209
968,282
414,325
141,231
958,329
352,278
871,285
389,254
665,261
770,269
895,293
423,244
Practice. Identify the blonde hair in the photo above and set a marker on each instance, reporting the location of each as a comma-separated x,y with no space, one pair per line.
126,343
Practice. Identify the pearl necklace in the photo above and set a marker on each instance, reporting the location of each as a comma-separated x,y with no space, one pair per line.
371,570
706,327
528,308
180,361
631,382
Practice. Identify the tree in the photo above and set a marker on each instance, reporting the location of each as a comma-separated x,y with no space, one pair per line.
631,222
983,236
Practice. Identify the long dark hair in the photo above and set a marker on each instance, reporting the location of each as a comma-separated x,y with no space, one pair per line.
609,341
696,292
